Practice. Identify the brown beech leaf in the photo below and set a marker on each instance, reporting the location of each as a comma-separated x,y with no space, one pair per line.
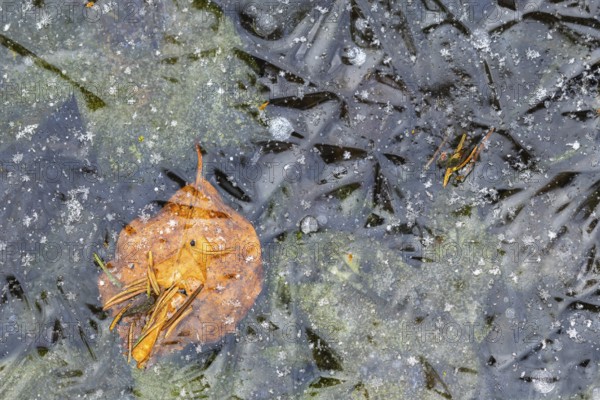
189,274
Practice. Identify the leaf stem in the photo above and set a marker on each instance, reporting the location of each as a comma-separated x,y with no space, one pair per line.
110,276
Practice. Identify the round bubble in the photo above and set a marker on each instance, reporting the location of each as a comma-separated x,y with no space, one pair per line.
355,56
543,381
309,224
280,128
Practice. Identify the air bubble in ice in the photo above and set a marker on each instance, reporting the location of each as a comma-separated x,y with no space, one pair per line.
309,224
355,56
264,24
543,381
280,128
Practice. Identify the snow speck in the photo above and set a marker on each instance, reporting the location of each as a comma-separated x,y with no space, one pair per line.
538,96
26,132
43,21
74,207
155,158
481,40
575,145
361,24
355,56
532,54
17,158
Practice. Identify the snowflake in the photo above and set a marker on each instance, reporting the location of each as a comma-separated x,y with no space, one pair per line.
26,132
572,332
544,294
27,259
532,54
87,137
528,119
575,145
155,158
528,240
44,21
17,158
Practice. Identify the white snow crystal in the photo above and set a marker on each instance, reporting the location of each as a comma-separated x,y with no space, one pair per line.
575,145
356,56
74,207
43,21
155,158
26,132
531,54
17,158
481,40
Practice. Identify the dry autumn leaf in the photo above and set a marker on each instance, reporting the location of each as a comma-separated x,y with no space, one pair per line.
458,160
189,274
